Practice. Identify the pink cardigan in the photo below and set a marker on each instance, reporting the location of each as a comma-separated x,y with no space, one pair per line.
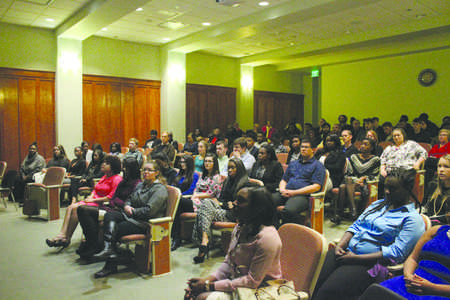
106,187
248,265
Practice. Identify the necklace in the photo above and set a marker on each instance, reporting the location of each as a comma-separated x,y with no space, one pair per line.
436,213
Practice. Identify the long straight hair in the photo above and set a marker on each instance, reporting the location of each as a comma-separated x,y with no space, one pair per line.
441,191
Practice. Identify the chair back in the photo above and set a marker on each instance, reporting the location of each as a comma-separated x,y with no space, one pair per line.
426,146
282,157
385,144
9,179
257,181
54,176
302,255
172,201
3,165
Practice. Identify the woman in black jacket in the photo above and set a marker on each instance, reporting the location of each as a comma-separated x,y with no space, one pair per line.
267,169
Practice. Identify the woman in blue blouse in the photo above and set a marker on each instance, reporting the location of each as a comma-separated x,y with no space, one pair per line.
385,233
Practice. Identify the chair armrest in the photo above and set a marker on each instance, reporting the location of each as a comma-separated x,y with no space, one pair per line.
52,186
303,295
159,220
318,195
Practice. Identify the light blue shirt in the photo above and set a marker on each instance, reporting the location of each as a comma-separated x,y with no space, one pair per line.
395,232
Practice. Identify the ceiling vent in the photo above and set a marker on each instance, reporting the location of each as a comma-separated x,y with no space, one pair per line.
172,25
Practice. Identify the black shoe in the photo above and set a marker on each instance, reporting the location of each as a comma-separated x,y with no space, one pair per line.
50,243
203,251
107,270
108,252
176,243
336,220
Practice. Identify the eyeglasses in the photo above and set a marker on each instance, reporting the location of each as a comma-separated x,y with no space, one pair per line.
149,170
209,161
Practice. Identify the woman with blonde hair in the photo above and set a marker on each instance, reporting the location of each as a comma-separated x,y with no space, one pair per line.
439,204
202,147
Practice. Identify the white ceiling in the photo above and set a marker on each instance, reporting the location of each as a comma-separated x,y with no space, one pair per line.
285,31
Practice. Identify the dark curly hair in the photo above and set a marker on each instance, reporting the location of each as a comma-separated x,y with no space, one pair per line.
114,162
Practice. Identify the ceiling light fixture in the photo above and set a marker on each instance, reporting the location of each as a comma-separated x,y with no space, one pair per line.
235,5
139,9
50,20
166,39
206,24
104,28
263,3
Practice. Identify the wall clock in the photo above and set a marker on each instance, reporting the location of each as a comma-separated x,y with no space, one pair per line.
427,77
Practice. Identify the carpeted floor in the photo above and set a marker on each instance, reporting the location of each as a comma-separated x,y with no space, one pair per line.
31,270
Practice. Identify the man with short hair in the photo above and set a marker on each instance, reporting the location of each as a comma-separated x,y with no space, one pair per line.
302,178
221,150
166,147
387,128
134,152
348,148
251,139
153,141
240,151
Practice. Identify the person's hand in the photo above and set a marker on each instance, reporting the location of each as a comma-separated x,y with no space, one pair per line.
338,251
419,286
128,210
230,204
197,285
348,258
383,173
287,193
83,180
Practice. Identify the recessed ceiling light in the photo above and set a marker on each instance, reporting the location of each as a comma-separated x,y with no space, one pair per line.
206,24
139,9
50,20
263,3
104,28
235,5
166,39
291,44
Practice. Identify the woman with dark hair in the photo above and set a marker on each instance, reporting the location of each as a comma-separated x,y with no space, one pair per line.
333,159
89,216
439,204
213,210
191,146
294,152
148,201
186,179
116,149
403,154
87,153
93,171
59,158
440,149
32,164
77,168
267,168
385,233
254,252
361,167
104,191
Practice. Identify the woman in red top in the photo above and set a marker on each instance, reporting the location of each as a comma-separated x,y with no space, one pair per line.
103,192
440,149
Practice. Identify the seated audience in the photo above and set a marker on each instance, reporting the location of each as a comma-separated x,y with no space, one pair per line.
388,128
439,204
32,164
342,119
153,141
116,149
426,271
260,139
165,169
385,233
267,169
348,148
191,146
240,152
148,201
173,142
87,153
302,178
93,171
403,154
268,130
76,169
104,191
440,149
208,187
378,129
251,140
419,135
166,147
202,147
212,209
134,152
277,143
359,133
333,159
361,167
378,150
89,215
294,153
254,250
59,158
429,127
222,157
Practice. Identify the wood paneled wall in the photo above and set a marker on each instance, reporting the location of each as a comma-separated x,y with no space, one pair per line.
117,109
209,106
27,113
278,108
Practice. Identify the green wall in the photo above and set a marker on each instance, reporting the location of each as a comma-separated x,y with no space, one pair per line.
103,56
27,48
267,78
215,70
387,88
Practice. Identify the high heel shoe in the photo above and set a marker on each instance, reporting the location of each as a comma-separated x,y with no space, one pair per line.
203,251
50,243
63,243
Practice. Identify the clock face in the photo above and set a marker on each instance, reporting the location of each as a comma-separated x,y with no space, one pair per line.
427,77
